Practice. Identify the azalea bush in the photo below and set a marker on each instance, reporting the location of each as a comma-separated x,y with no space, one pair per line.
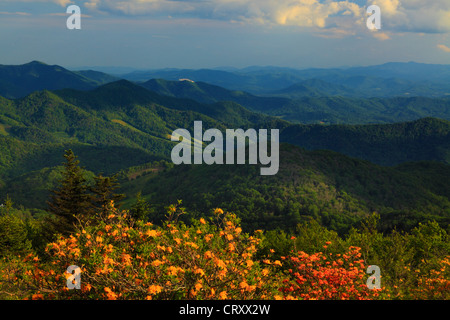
122,258
326,276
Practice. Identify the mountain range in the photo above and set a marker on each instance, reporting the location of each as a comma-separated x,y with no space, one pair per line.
335,166
387,80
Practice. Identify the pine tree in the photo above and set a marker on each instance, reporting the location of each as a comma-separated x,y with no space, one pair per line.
71,200
103,193
141,209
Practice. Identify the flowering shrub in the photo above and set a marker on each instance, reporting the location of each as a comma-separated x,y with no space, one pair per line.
322,276
435,285
125,259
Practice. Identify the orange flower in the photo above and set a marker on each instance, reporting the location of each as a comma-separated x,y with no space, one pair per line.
110,294
126,259
199,271
157,263
277,263
223,295
198,286
153,289
243,285
173,271
218,211
86,287
37,296
151,233
202,221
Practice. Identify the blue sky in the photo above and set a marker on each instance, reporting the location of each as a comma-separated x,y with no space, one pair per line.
213,33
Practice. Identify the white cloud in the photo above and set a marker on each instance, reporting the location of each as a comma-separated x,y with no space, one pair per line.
443,47
381,35
15,13
415,15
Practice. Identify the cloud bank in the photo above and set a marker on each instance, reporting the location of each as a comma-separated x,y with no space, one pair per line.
338,16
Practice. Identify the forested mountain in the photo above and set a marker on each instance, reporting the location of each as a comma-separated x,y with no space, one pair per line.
385,144
20,80
329,187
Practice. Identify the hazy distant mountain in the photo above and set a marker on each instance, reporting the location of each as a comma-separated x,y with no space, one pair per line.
19,80
387,80
311,101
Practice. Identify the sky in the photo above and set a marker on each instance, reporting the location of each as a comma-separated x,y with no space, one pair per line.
153,34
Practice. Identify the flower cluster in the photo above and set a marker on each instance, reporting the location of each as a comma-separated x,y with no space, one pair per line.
322,276
125,259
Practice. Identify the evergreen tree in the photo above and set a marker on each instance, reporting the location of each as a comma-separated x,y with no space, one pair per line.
103,193
13,236
71,200
5,208
140,209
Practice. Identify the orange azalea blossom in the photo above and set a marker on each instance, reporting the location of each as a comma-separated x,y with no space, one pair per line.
37,296
157,263
154,289
223,295
110,294
151,233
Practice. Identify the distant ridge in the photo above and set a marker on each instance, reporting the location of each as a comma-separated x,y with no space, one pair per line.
17,81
